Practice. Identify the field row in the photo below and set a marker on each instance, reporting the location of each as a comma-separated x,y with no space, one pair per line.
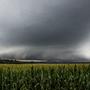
44,77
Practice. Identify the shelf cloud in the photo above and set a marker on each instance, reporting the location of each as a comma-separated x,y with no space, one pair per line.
51,27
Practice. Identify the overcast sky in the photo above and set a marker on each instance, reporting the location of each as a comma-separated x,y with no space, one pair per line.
53,28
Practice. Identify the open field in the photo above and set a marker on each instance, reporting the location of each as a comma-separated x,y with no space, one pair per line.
44,77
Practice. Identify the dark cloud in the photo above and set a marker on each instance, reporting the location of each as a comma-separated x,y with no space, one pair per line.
42,23
64,25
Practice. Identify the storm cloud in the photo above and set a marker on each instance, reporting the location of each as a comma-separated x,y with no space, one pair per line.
46,26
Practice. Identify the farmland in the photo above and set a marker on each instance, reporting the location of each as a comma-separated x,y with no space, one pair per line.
44,77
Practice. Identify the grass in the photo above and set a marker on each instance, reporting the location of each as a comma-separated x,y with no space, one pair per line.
44,77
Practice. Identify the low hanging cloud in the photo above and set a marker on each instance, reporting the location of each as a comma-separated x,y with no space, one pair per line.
50,27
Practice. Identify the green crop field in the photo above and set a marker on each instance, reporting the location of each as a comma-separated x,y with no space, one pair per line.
44,77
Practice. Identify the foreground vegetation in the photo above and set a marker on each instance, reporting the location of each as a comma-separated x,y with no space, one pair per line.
44,77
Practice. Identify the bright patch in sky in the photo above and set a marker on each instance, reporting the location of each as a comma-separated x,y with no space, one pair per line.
84,51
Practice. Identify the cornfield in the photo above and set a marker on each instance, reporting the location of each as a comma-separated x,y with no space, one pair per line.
44,77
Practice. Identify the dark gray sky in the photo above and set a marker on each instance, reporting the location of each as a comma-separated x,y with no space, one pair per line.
59,28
